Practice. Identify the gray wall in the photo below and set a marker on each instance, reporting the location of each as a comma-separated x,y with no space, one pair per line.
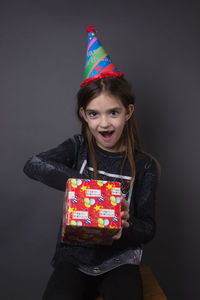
43,48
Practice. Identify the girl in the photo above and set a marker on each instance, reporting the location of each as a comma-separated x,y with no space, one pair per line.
108,149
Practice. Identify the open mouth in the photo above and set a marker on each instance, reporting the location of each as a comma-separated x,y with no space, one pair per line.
106,134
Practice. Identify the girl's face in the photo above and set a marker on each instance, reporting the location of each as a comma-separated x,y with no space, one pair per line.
106,117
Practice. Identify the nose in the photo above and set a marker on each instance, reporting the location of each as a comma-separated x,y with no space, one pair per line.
104,122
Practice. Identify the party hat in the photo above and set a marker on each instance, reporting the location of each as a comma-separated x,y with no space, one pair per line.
98,62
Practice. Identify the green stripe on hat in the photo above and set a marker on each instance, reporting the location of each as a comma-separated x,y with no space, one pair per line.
97,54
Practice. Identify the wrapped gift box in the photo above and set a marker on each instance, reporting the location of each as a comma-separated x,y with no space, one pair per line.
91,211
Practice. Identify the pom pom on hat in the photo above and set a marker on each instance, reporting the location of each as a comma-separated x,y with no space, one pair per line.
98,62
90,28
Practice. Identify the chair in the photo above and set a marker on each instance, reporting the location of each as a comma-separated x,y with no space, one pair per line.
151,288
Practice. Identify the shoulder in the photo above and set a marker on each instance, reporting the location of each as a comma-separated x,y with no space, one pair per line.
77,139
66,149
147,163
78,143
73,142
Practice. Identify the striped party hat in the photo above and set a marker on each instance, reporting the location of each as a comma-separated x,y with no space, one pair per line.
98,62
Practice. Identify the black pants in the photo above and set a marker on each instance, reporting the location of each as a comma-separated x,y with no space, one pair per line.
68,283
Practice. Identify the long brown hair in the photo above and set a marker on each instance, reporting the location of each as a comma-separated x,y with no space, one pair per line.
120,88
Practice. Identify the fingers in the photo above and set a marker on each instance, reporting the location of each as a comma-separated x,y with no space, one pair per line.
125,215
124,203
124,212
124,208
125,224
118,235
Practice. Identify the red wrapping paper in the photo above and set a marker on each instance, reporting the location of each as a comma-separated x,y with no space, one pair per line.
91,211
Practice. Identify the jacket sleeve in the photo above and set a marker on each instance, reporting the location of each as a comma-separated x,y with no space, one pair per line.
55,166
142,221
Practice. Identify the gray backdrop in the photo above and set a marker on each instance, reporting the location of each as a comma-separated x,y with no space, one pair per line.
43,49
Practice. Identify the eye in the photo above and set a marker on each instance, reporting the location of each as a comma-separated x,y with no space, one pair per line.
92,114
114,113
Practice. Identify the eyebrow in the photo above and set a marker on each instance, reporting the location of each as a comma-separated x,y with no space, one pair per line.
109,110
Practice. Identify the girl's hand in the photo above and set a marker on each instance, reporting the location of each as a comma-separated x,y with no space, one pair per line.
124,217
